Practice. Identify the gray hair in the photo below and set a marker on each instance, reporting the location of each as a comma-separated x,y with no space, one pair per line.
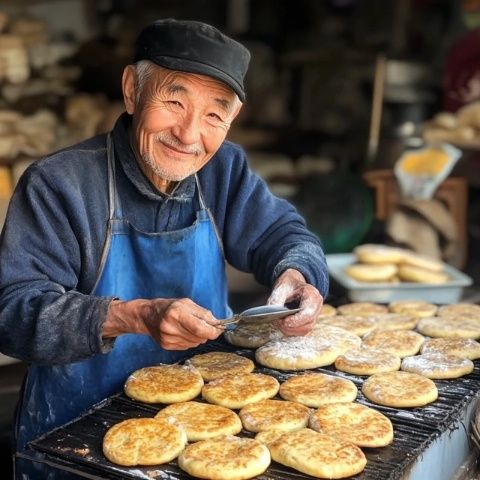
143,71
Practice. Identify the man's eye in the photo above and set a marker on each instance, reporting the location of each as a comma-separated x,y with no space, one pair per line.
216,117
174,103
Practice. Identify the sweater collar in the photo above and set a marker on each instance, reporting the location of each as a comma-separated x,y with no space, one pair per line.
125,156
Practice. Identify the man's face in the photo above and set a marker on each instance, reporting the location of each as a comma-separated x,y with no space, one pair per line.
179,122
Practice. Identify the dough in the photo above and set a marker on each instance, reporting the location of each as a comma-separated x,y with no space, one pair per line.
213,365
437,365
367,361
315,389
164,384
236,391
225,458
143,441
400,389
202,420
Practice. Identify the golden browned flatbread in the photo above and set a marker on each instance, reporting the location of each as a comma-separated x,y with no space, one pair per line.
421,261
437,365
367,361
352,422
296,353
415,308
410,273
225,458
402,343
460,347
355,324
466,310
236,391
341,339
143,441
214,365
362,309
164,384
371,273
274,415
268,436
327,311
400,389
202,420
252,335
317,454
449,327
395,321
315,389
378,254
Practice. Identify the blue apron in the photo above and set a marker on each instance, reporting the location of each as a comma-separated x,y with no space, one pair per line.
186,263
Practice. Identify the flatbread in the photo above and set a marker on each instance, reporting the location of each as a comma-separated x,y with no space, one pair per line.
402,343
400,389
202,420
449,327
268,436
317,454
315,389
466,310
340,338
421,261
371,273
353,422
362,309
460,347
214,365
395,321
378,254
296,353
225,458
252,335
416,308
164,384
358,325
274,415
327,311
236,391
367,361
410,273
143,441
437,365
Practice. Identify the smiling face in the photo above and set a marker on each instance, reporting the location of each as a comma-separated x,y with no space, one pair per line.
179,121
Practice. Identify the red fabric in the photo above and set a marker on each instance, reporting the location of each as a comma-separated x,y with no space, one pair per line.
461,75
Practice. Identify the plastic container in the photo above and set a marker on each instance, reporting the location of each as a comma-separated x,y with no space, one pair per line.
450,292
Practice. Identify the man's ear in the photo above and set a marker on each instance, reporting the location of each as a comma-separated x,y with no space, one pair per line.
128,88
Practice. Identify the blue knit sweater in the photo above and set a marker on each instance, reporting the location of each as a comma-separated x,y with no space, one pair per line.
56,226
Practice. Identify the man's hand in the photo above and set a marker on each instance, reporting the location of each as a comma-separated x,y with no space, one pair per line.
291,287
175,324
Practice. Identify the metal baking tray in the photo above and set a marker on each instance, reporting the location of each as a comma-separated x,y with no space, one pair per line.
449,292
77,446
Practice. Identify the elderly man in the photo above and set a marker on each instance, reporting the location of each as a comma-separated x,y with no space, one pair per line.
112,256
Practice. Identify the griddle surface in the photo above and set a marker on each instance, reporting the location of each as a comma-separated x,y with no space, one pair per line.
78,444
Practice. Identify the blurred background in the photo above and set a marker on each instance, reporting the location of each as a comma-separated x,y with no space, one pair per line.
337,91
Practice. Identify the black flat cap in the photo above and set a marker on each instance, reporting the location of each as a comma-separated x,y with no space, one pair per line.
194,47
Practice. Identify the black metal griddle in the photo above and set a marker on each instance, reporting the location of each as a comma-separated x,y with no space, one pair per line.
77,446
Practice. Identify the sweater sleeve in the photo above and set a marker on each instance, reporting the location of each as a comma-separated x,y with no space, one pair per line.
265,235
43,317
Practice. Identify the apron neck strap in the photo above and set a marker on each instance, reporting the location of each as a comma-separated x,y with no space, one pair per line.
112,189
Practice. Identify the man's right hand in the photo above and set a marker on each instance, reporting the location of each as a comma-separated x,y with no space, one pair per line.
175,324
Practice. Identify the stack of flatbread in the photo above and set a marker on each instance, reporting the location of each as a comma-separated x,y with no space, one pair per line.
384,264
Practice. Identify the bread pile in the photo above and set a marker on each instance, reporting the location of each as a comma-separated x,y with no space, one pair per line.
384,264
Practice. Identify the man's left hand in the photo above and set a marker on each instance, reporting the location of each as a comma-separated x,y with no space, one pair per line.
291,287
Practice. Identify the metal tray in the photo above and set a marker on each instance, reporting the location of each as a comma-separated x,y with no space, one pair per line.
77,446
449,292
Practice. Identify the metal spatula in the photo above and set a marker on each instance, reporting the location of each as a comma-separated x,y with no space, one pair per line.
265,313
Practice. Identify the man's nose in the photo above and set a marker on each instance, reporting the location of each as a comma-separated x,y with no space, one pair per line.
188,130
